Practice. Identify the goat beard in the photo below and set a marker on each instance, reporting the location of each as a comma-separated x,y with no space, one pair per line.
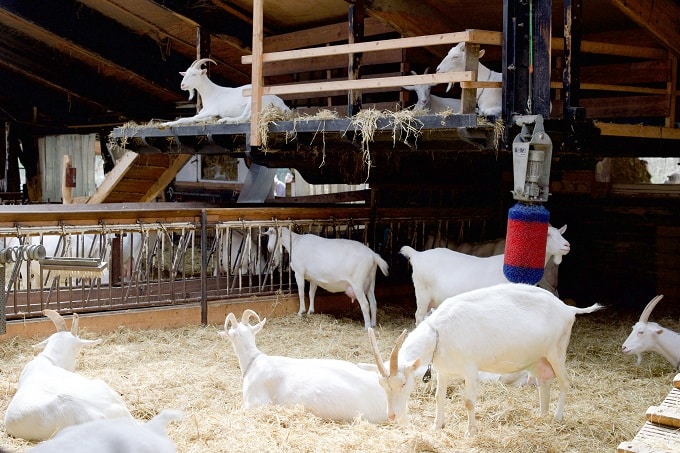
192,92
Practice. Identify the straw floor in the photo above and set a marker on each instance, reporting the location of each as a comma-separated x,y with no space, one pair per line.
196,371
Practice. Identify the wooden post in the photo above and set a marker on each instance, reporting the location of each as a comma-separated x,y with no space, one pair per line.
542,58
202,51
355,35
468,98
67,181
670,87
571,75
257,77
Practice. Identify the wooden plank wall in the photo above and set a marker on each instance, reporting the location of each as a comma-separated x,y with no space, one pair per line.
51,150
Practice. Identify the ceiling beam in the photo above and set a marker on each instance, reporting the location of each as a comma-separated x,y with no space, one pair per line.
659,17
58,39
176,33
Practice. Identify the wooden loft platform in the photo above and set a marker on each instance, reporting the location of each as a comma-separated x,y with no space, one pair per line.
645,84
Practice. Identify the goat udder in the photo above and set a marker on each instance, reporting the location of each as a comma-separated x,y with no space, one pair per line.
350,293
544,370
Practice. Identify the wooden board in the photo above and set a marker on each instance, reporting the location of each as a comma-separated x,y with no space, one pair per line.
652,438
660,433
668,412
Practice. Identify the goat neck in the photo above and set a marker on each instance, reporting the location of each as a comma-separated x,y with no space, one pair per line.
242,336
421,344
287,237
668,343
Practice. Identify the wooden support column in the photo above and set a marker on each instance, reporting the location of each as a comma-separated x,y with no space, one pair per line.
540,96
202,51
356,16
571,74
256,72
468,97
515,60
670,88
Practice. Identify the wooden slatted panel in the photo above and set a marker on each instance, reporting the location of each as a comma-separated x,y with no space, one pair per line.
660,433
652,438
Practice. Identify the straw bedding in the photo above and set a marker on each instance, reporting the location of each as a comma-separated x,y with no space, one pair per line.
196,371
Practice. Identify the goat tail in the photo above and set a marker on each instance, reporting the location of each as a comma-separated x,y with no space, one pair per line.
591,309
384,268
157,423
408,252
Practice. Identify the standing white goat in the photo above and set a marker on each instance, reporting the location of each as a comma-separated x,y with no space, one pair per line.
238,250
331,389
441,273
51,396
651,337
336,265
501,329
116,435
224,103
431,102
489,100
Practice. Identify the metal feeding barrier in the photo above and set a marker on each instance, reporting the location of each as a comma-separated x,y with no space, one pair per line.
10,255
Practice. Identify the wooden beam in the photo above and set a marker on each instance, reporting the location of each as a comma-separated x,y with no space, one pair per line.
638,130
604,48
380,82
617,88
257,79
356,15
334,62
475,36
620,107
113,178
659,17
321,35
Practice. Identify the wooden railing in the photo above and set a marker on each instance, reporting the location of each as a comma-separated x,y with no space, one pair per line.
467,79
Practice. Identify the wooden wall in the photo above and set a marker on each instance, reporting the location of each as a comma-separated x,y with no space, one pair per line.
52,148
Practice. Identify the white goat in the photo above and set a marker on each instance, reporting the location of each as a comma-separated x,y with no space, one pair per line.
336,265
224,103
431,102
489,100
441,273
331,389
239,251
51,396
480,249
501,329
651,337
116,435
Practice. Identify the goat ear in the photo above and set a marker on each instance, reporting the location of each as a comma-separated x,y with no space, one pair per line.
88,343
182,73
563,229
409,88
481,53
414,365
41,346
368,366
257,327
658,331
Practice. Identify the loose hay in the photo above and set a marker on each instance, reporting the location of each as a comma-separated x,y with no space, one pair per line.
194,370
